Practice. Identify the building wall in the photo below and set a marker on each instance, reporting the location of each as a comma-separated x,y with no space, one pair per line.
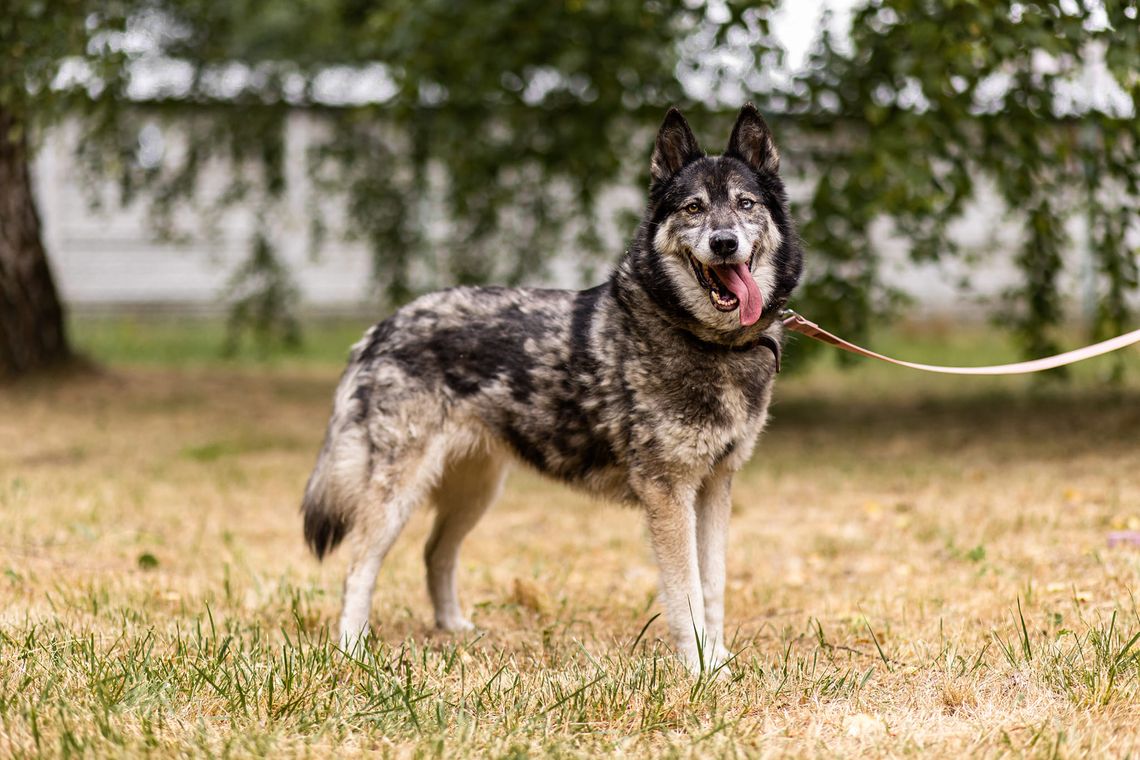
109,258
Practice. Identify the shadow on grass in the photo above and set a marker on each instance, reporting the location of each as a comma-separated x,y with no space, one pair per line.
1038,422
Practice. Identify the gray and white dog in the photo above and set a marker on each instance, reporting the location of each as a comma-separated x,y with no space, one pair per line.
649,389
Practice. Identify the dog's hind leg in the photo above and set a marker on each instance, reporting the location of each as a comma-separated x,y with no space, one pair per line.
360,582
395,493
370,544
468,487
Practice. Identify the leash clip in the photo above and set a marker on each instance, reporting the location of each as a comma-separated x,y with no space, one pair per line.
789,316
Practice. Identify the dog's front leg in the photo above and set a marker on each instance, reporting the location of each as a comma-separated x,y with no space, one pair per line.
672,531
714,506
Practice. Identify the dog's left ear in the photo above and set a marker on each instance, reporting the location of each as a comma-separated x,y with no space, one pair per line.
752,142
675,147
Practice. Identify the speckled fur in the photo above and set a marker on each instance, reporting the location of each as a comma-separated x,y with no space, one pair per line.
638,391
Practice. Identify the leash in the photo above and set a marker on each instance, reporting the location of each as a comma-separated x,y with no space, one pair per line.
796,323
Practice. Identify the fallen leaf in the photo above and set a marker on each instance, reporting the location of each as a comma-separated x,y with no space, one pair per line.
873,509
528,594
863,725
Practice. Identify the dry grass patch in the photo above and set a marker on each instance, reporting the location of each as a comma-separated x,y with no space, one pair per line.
921,574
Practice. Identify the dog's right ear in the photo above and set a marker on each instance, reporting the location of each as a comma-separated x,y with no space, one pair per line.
752,142
675,147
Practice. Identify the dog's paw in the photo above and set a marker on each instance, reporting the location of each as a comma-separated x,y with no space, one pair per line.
353,642
458,624
715,667
720,663
720,671
692,662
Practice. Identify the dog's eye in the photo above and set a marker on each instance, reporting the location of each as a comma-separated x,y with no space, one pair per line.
747,203
693,207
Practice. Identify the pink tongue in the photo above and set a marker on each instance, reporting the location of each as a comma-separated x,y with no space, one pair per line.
739,281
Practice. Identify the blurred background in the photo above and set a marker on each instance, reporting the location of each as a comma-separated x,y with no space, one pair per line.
271,167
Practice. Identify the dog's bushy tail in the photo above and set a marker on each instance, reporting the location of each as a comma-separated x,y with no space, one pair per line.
336,488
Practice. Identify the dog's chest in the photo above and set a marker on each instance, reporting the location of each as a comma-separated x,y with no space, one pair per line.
701,414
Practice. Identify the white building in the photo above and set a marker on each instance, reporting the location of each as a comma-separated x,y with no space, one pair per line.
108,258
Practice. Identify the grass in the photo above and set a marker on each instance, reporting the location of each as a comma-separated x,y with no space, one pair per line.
168,340
918,566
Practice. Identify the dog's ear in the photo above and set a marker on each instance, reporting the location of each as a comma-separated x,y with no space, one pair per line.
752,142
675,147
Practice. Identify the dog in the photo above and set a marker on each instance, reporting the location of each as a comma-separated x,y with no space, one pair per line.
650,390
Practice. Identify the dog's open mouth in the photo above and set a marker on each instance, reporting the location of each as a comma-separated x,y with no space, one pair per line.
731,287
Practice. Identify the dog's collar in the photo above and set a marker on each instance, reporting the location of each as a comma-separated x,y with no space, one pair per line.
767,341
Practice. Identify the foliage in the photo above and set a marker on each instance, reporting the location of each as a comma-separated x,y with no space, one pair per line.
474,150
930,100
39,40
469,142
263,296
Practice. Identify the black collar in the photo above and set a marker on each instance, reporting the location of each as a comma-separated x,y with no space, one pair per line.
767,341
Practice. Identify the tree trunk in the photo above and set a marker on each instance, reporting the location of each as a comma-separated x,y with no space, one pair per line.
32,333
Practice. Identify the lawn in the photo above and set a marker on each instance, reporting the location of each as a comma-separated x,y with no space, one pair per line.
918,566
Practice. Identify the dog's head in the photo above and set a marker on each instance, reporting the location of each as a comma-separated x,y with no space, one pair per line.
723,246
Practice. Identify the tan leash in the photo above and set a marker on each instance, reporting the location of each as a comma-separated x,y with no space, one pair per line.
796,323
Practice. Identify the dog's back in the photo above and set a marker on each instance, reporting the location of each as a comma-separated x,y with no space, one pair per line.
493,367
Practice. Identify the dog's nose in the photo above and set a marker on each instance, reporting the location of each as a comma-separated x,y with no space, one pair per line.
723,243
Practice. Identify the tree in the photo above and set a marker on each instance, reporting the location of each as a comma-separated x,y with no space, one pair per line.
35,40
31,319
